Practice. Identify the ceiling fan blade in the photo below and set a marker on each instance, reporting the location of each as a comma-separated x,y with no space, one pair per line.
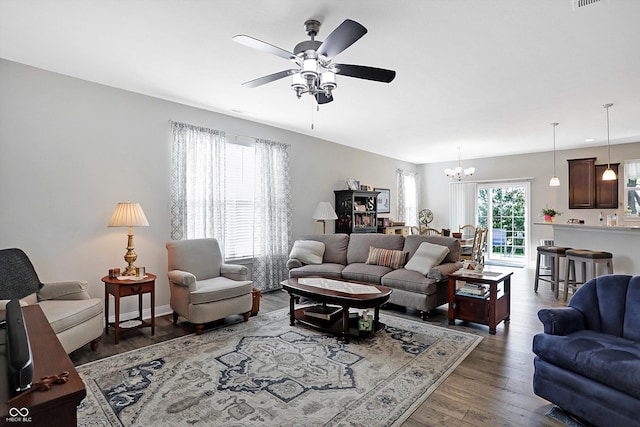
268,79
341,38
368,73
321,98
264,46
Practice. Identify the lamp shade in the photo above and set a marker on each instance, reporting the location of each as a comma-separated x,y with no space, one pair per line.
128,214
324,211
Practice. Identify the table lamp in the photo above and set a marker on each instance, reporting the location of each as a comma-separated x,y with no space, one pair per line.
129,214
323,212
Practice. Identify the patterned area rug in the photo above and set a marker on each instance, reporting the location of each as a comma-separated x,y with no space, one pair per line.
267,373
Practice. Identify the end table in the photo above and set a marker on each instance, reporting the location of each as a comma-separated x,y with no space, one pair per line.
128,287
489,310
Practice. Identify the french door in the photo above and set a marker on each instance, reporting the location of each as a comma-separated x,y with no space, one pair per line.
503,207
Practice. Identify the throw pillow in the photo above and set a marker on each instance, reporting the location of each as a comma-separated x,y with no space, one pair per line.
386,257
426,257
307,251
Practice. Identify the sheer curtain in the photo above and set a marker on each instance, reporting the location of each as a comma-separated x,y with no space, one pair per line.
407,197
272,214
197,183
203,205
462,204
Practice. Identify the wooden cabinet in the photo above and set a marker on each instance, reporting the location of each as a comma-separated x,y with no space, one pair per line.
356,211
587,190
582,183
606,191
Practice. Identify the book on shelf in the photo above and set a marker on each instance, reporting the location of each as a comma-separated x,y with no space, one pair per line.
321,311
466,294
473,290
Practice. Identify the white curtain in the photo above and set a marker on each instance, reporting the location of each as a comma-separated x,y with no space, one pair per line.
272,214
462,204
197,183
203,206
407,197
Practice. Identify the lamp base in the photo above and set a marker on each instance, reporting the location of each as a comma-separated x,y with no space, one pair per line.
130,257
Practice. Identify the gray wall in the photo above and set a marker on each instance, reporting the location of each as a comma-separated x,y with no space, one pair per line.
70,150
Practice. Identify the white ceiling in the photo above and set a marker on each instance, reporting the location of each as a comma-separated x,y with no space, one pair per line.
486,75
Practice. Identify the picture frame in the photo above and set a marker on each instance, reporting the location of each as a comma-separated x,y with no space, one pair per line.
384,200
365,187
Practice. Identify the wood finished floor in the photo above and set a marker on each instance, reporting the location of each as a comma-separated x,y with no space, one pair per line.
491,387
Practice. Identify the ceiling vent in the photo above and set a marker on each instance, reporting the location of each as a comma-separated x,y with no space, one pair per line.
577,4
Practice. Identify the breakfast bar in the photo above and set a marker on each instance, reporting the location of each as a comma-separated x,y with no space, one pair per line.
622,241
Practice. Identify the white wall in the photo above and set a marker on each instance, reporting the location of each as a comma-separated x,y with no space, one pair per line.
435,185
70,150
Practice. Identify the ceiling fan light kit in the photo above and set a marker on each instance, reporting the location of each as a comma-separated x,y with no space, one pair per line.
316,73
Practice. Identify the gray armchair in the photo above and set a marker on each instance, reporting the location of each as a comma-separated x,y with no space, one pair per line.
204,288
75,317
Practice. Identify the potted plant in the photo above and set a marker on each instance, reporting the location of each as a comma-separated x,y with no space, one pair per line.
549,213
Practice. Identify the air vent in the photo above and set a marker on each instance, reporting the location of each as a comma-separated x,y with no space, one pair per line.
577,4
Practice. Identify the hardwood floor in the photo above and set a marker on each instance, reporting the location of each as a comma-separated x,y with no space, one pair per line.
491,387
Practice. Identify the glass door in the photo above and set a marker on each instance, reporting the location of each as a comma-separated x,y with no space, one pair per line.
504,209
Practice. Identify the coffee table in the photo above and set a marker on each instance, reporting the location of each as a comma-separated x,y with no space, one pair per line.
345,300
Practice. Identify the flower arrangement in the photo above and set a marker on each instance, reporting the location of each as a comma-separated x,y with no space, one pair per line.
549,213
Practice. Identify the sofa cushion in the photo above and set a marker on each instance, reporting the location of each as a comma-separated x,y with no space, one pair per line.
358,250
412,243
386,257
367,273
66,314
307,251
327,270
605,358
427,256
335,246
219,288
410,281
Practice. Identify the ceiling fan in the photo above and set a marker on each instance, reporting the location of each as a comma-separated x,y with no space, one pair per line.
315,71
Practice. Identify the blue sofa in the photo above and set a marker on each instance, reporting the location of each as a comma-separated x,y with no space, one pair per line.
588,358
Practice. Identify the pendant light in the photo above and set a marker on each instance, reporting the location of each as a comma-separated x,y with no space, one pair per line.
459,173
554,181
609,174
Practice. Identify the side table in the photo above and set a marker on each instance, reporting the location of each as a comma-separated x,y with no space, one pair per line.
128,287
489,310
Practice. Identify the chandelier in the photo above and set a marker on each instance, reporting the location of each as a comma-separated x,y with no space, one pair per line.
457,172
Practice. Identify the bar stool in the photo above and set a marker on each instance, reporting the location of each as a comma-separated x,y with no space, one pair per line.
586,258
554,253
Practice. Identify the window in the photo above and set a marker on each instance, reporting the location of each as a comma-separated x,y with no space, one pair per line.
239,201
408,197
238,194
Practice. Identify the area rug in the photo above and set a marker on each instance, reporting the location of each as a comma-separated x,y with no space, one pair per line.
267,373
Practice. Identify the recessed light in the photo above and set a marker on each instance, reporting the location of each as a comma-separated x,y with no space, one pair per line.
589,140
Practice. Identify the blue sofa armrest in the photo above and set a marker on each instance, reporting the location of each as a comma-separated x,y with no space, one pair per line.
561,321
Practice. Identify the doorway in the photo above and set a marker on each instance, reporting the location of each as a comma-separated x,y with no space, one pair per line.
504,209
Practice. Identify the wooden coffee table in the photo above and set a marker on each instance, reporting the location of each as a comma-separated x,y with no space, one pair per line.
345,300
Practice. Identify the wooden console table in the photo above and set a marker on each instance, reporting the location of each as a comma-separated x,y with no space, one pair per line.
56,406
487,311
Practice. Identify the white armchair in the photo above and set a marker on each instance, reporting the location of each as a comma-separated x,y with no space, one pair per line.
75,317
204,288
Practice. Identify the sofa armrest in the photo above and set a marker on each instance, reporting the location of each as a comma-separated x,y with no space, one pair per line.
183,278
234,271
439,272
65,290
293,263
561,321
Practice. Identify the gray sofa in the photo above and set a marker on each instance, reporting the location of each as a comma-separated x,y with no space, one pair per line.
345,257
